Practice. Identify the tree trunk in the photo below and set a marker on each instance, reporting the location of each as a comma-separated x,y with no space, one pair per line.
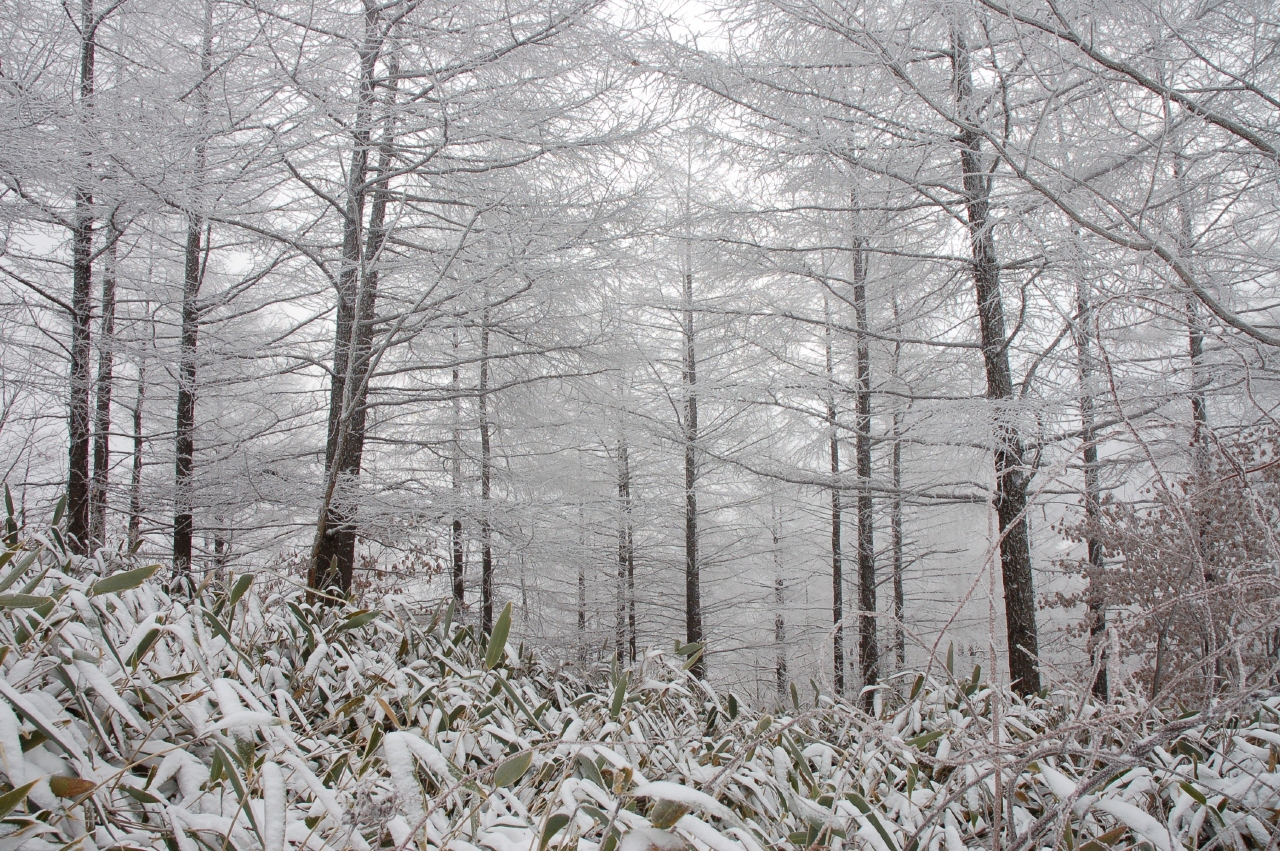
779,618
195,259
333,564
184,443
692,581
895,506
868,654
486,481
1012,478
102,408
1095,594
623,640
455,471
582,585
837,521
135,480
1202,473
81,308
333,554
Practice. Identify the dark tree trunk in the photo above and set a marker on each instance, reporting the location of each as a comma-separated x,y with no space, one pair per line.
623,639
333,559
184,443
692,581
779,618
328,567
582,586
1012,477
102,407
837,520
868,654
195,259
486,483
81,309
135,480
895,509
895,534
1095,594
456,541
631,591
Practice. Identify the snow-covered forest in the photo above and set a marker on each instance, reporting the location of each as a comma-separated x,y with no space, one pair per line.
614,424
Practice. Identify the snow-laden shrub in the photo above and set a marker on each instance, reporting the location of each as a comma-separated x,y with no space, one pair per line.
247,719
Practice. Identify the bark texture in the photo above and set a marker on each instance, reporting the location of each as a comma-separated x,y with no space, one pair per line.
1011,474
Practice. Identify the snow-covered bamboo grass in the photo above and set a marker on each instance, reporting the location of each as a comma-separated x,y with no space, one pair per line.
246,719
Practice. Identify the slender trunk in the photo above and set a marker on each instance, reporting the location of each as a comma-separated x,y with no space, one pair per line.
837,521
1195,332
1096,594
333,554
582,585
895,506
868,654
1012,477
184,443
624,550
195,260
1199,420
895,543
81,307
692,581
102,409
135,480
459,564
486,481
779,619
631,587
341,544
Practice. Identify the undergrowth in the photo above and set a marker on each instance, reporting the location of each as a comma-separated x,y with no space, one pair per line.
245,718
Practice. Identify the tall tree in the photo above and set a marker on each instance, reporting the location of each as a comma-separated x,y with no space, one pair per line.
1012,475
837,520
868,653
82,228
99,482
693,632
195,261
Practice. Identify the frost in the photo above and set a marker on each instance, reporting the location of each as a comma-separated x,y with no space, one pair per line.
319,769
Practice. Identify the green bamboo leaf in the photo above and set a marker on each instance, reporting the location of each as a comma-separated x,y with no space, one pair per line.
590,770
555,824
865,808
512,770
23,601
123,581
139,795
951,658
38,719
921,742
693,659
238,590
1196,794
59,508
20,566
9,800
498,639
358,620
619,695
